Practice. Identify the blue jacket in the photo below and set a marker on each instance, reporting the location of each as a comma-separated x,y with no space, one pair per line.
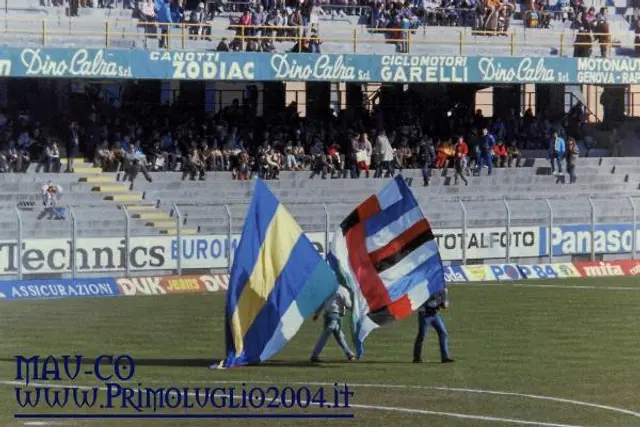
558,145
163,14
488,141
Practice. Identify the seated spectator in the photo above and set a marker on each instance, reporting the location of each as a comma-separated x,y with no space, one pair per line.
258,20
362,152
193,166
242,171
292,163
513,153
146,11
177,11
299,153
381,18
589,18
301,46
335,158
462,153
236,45
135,162
164,18
223,46
450,13
281,22
314,41
51,194
217,159
544,16
104,157
573,153
52,155
500,154
199,27
252,46
384,156
8,157
322,166
19,156
583,45
245,23
274,162
445,152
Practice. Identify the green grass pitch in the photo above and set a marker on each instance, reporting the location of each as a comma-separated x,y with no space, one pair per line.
555,352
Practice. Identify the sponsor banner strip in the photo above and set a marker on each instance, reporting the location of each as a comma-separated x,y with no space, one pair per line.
608,268
576,239
163,285
210,283
240,66
59,288
205,252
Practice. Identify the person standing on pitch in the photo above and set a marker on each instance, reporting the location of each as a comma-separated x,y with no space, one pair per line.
334,308
428,316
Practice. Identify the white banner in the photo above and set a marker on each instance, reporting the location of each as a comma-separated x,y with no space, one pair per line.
211,251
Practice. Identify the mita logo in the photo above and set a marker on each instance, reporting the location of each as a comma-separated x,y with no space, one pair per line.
603,269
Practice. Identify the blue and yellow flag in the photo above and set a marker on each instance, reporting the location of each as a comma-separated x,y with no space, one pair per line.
277,280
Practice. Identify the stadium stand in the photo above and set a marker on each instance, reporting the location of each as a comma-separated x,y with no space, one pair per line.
152,211
333,29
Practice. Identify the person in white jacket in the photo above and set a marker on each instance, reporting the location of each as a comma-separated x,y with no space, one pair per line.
385,155
335,307
51,194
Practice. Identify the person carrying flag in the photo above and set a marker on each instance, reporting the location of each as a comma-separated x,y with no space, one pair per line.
428,316
335,307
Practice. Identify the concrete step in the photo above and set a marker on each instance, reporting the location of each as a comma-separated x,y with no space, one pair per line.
122,188
140,208
183,231
130,197
152,215
99,179
161,224
87,170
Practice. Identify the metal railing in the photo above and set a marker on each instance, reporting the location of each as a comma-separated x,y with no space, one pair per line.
511,231
178,35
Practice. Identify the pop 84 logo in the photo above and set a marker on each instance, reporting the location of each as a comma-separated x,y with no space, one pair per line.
538,271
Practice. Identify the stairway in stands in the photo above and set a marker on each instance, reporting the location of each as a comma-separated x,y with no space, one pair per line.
120,193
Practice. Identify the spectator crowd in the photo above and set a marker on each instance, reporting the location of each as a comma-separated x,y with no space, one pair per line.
142,139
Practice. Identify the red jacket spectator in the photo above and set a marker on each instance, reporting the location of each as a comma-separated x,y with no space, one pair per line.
500,150
245,19
462,148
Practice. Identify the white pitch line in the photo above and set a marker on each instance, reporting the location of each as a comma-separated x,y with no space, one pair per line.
532,285
358,406
440,388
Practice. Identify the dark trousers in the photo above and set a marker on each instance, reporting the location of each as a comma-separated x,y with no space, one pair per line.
571,169
426,174
423,325
164,36
384,166
484,159
53,164
460,173
192,170
131,172
72,151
